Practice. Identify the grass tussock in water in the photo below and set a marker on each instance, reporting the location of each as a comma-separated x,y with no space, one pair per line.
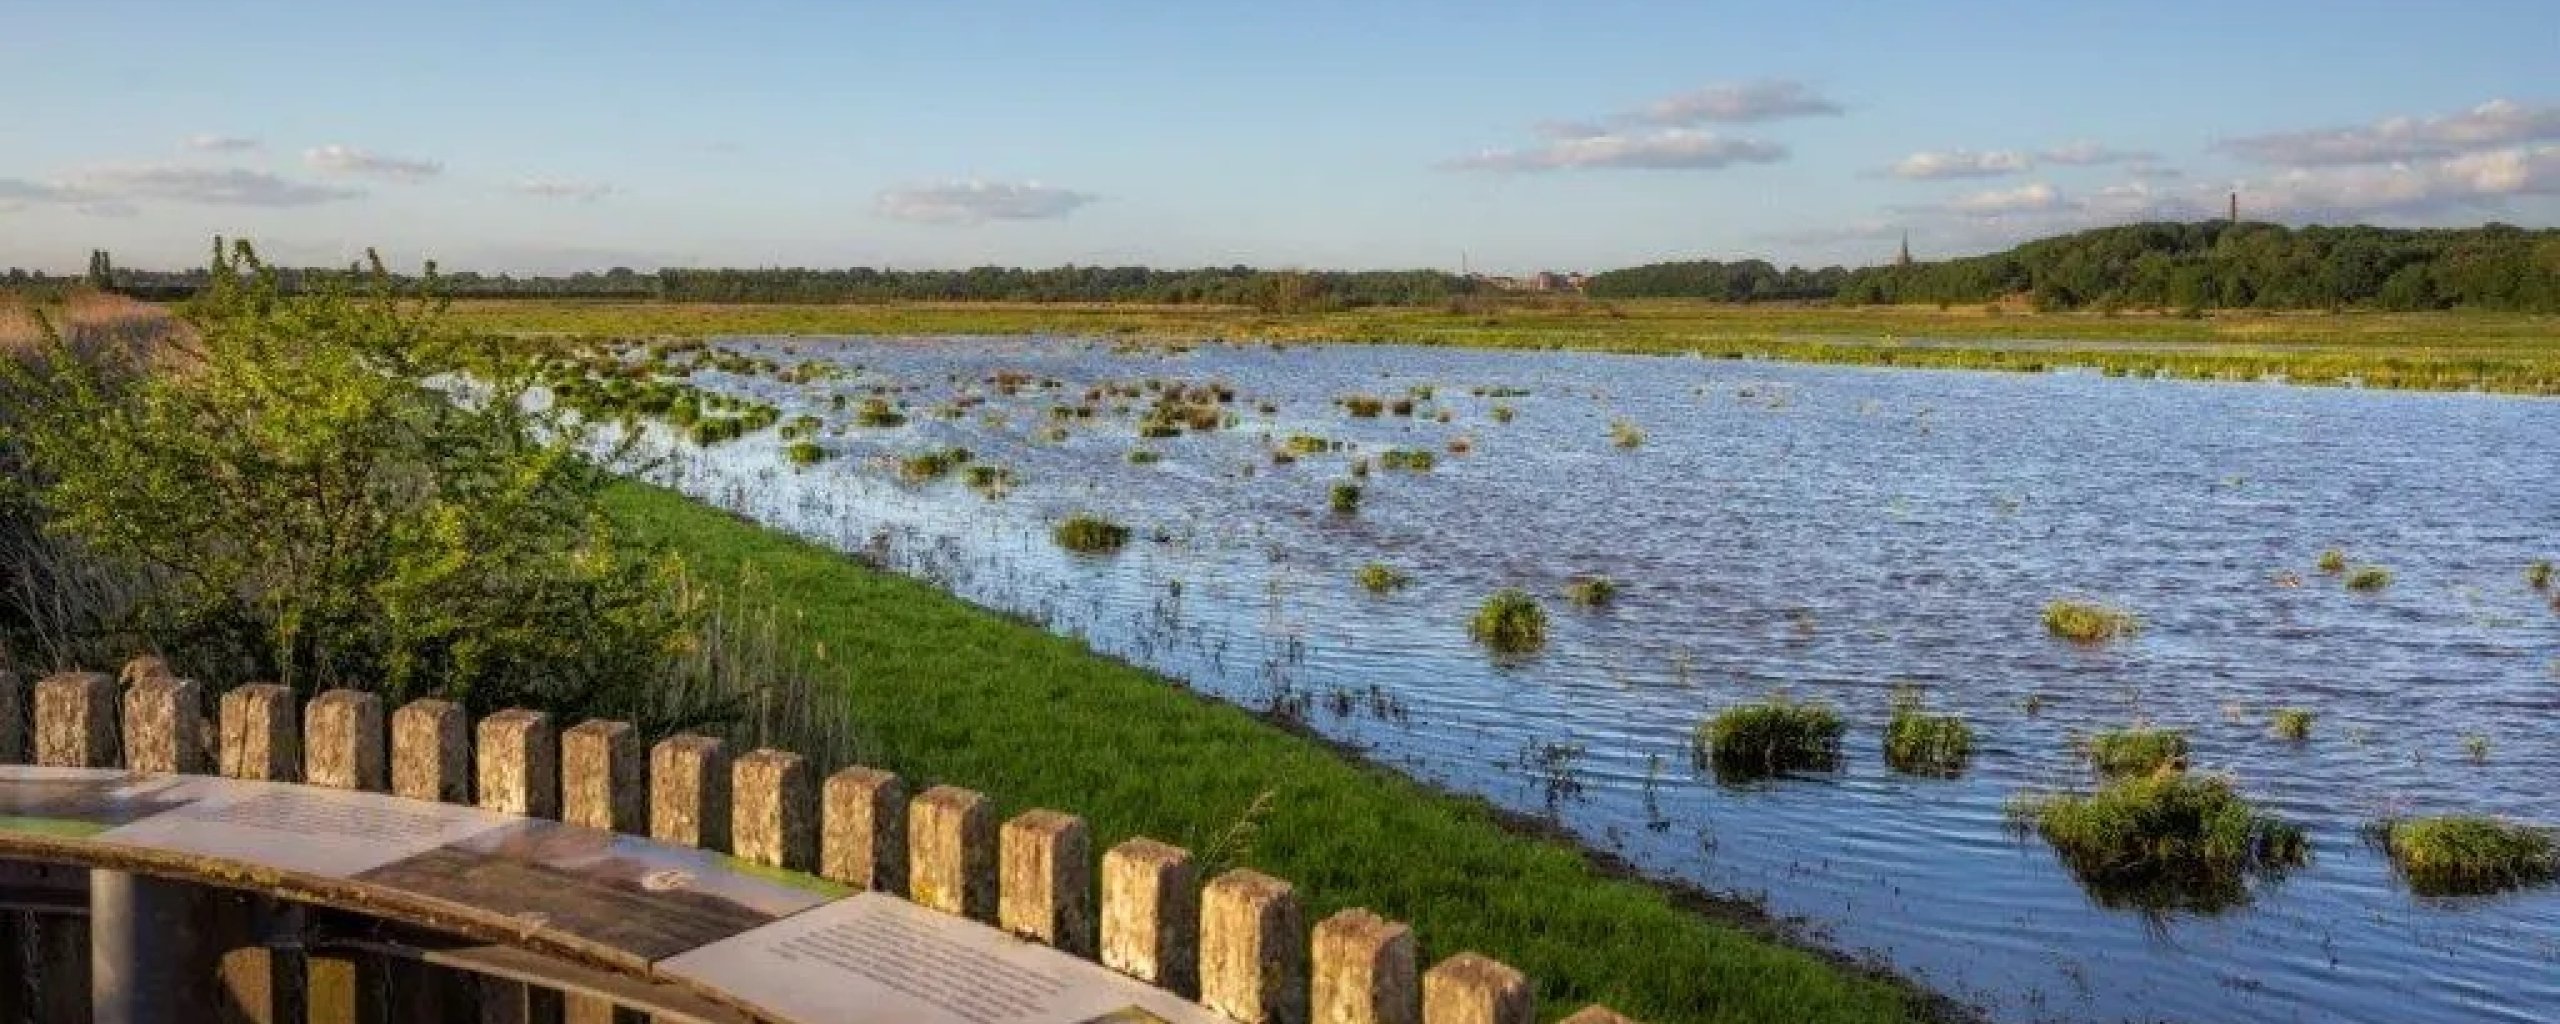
2368,578
2333,561
1509,622
2456,855
1919,743
1410,460
2087,622
877,412
1752,741
932,465
804,453
2123,753
1591,591
990,481
1625,434
2538,575
2292,724
1090,534
1378,578
1346,498
2165,840
1362,406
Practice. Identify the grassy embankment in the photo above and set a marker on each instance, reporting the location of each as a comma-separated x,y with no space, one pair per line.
945,692
2506,352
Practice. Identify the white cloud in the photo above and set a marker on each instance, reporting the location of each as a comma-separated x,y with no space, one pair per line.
1999,202
2471,182
2490,125
2090,154
1737,103
1564,130
336,158
112,191
554,188
1854,231
1663,149
1959,163
212,143
977,202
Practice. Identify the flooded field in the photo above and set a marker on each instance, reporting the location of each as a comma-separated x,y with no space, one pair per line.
1831,534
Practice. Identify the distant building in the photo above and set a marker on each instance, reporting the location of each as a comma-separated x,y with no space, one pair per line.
1904,259
1542,281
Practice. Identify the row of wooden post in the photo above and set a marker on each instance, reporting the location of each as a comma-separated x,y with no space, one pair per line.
1237,944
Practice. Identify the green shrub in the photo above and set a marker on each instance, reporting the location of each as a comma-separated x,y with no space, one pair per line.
1346,497
1591,591
2293,724
1755,740
2166,839
2368,578
1509,622
1377,578
1087,534
2466,854
2087,622
2138,751
1919,743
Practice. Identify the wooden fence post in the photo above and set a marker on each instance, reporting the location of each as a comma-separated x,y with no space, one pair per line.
164,725
1473,989
600,777
519,764
951,853
342,742
76,721
1253,949
431,752
1151,914
1364,971
862,830
260,739
773,819
689,792
1045,890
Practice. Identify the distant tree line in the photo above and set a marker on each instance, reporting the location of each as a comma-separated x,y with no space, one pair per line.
2190,266
2222,265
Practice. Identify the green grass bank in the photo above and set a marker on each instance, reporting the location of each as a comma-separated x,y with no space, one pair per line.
943,691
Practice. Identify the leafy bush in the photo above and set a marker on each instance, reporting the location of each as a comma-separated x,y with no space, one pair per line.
307,508
1777,735
2466,854
2086,622
1509,622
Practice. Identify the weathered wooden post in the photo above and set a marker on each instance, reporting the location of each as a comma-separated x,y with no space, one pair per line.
1597,1014
76,721
862,830
1364,971
1151,914
164,725
519,762
601,765
343,748
773,820
951,852
431,752
1473,989
1045,888
259,737
689,792
1253,949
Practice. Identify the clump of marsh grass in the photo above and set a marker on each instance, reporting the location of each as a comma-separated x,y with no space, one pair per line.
877,412
1591,591
1145,456
2368,578
1346,497
2465,855
2122,753
2293,724
1378,578
1411,460
2166,839
1362,406
2477,746
1625,434
2538,575
1090,534
990,481
804,453
1919,743
1509,622
932,465
1503,413
2333,561
2087,622
1751,741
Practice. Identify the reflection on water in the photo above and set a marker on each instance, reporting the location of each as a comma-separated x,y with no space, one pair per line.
1831,533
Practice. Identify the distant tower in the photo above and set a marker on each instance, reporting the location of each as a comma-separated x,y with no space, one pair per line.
2235,207
1904,259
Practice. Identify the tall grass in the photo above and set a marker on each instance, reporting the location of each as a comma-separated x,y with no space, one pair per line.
2457,855
2137,751
2170,840
1509,622
1751,741
1919,743
2087,622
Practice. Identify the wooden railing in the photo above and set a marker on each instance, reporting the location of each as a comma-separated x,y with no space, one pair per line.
1236,945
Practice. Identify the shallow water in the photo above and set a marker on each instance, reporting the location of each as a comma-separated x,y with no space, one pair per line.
1830,532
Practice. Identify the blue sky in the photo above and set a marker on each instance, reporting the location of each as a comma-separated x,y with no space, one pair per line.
567,135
